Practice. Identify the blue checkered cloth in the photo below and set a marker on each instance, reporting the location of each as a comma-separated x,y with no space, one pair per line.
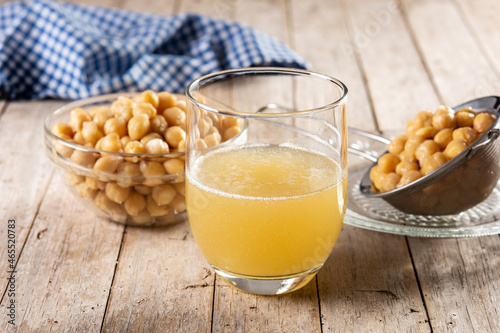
59,50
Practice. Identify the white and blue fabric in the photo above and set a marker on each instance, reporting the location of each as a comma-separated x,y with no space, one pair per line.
50,49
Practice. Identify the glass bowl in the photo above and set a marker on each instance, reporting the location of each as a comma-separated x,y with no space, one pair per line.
151,197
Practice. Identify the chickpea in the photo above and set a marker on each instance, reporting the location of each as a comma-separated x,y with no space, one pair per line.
125,140
122,108
483,121
147,109
95,184
454,148
135,147
143,189
397,145
230,133
404,166
152,170
181,188
203,126
443,119
138,126
110,207
388,162
443,137
150,136
200,144
83,158
73,178
117,193
107,164
467,134
157,146
432,162
178,204
86,192
63,131
174,116
212,139
424,118
154,209
427,132
181,105
464,118
116,125
412,127
174,166
77,117
163,194
174,135
79,139
409,177
135,203
159,124
426,148
101,115
128,170
376,175
166,100
149,97
229,121
91,132
390,181
111,142
62,149
411,146
182,146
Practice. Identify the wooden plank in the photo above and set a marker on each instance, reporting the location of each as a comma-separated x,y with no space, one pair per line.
66,267
162,283
320,35
368,281
457,65
455,275
481,20
459,280
24,171
396,77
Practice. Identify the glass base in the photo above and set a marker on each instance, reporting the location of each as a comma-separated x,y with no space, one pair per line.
267,286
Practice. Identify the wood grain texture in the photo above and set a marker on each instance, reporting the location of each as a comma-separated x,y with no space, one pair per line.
162,283
480,17
449,50
66,267
320,35
24,171
396,77
368,284
460,282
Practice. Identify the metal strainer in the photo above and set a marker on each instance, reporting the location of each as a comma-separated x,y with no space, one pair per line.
461,183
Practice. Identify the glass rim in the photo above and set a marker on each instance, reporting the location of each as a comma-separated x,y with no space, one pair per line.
266,70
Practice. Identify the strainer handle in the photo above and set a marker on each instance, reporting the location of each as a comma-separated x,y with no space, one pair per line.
493,134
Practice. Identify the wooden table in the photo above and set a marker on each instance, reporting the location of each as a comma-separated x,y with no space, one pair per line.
76,273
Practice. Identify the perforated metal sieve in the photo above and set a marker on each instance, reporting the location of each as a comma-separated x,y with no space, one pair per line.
458,185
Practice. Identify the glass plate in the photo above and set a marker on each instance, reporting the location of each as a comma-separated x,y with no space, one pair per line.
376,214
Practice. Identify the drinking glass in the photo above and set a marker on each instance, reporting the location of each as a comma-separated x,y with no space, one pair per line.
266,208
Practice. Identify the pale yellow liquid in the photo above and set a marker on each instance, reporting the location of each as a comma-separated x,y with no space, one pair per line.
266,211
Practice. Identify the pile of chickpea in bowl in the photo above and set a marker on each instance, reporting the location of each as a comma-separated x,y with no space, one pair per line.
124,153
